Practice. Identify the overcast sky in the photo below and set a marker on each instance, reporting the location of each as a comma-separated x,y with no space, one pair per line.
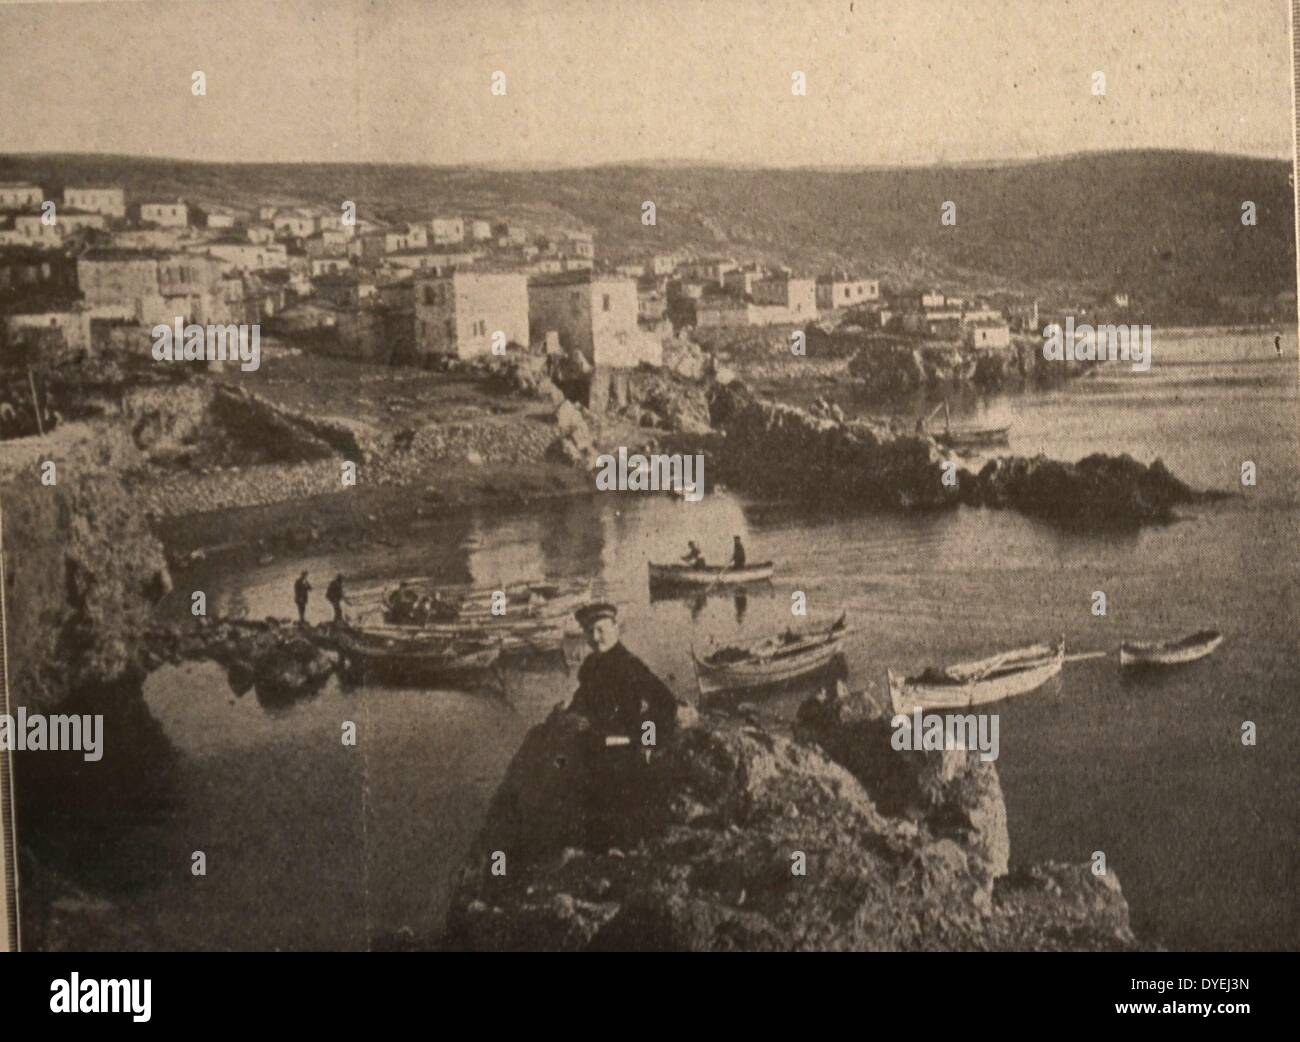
894,82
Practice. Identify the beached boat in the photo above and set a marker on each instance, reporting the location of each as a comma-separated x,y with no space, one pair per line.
1169,652
769,660
688,577
416,658
1012,673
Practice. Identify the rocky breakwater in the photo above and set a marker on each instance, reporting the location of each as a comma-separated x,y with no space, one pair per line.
781,449
888,366
278,659
778,448
749,838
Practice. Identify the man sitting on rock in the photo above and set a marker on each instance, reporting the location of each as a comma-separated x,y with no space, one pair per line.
617,695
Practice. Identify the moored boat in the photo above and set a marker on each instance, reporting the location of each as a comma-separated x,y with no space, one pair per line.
416,658
1169,652
970,437
992,679
769,660
689,577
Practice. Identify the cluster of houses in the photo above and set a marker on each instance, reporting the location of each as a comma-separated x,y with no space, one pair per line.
410,291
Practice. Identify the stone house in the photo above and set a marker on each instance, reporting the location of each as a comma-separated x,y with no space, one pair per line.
458,314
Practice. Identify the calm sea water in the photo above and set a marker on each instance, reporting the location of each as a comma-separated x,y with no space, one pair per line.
313,844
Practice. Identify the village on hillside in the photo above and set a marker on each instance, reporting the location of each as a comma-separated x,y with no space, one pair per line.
94,266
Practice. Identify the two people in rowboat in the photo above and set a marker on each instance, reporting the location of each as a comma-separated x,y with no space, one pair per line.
696,559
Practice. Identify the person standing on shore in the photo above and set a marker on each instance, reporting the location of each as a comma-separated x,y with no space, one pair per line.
334,594
301,589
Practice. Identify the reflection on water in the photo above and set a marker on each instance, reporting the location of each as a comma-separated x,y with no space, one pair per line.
315,844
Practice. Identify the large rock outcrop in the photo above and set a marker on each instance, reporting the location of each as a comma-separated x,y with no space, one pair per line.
779,448
82,571
901,850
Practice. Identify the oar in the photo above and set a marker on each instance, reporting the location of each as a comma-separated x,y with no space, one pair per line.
716,579
1083,655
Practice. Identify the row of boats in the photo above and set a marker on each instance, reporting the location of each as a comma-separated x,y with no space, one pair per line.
467,630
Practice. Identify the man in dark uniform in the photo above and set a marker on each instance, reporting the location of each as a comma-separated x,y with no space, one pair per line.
617,694
300,590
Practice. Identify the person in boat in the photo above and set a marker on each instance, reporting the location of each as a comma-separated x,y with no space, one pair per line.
334,594
301,588
738,553
401,602
693,556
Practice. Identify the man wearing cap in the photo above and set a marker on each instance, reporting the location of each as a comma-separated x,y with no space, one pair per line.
617,693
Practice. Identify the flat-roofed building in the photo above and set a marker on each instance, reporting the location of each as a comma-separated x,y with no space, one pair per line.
459,314
111,202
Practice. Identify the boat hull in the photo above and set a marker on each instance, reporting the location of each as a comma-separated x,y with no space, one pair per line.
685,577
908,694
415,660
744,676
1169,653
974,437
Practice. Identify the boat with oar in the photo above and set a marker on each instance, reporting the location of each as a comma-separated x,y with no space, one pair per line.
707,577
1140,653
992,679
970,436
769,660
410,659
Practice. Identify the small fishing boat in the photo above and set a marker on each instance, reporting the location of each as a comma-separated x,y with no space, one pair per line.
1012,673
972,437
965,437
418,602
416,658
685,576
769,660
1169,652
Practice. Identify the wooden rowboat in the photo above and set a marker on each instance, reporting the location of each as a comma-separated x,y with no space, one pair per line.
970,437
1012,673
1169,652
409,659
685,576
769,660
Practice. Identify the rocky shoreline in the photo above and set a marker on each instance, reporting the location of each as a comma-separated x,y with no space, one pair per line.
746,838
777,448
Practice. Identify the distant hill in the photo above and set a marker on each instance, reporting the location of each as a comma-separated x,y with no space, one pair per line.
1164,226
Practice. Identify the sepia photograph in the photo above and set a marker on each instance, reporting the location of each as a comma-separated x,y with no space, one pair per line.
557,476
